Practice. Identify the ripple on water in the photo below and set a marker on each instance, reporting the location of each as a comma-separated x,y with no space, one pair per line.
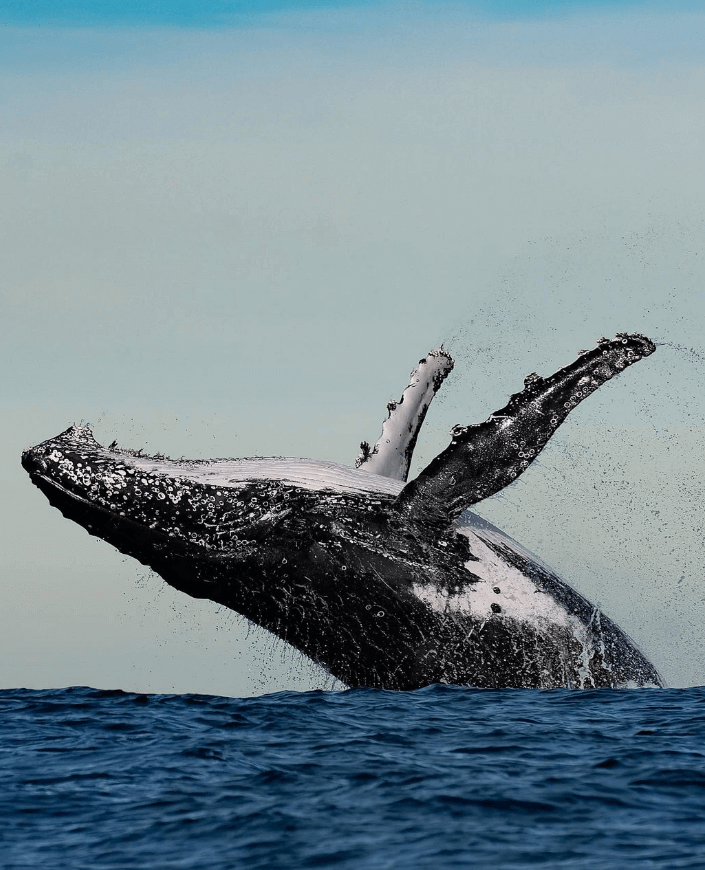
441,777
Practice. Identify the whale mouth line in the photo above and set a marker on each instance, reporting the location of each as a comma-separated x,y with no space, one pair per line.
47,484
71,504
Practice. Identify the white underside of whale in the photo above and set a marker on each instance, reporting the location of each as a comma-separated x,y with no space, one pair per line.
518,597
309,474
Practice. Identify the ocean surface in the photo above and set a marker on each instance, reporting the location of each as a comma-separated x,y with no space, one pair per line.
443,777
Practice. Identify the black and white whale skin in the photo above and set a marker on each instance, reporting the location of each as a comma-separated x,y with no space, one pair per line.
387,584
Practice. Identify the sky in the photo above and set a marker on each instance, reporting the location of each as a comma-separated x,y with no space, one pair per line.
224,13
231,229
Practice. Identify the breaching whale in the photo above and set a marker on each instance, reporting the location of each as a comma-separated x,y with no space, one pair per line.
386,583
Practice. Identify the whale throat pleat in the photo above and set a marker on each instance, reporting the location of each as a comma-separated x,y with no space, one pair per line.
484,458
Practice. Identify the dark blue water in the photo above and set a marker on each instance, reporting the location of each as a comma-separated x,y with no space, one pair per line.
439,778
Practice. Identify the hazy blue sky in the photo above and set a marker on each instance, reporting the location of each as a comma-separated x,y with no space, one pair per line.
213,13
227,232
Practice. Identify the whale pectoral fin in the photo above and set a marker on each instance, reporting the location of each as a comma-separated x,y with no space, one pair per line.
484,458
391,455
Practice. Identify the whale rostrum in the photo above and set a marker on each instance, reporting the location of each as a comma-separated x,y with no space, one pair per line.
385,583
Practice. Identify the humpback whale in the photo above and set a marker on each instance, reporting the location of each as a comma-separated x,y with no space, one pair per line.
386,583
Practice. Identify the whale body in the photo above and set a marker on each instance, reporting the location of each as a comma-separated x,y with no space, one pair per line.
386,583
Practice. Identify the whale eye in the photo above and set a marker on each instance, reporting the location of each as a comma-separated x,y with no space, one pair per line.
496,590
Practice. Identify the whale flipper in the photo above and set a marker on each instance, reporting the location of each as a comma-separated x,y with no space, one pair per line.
484,458
391,455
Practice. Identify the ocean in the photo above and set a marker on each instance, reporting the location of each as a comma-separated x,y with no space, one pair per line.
443,777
